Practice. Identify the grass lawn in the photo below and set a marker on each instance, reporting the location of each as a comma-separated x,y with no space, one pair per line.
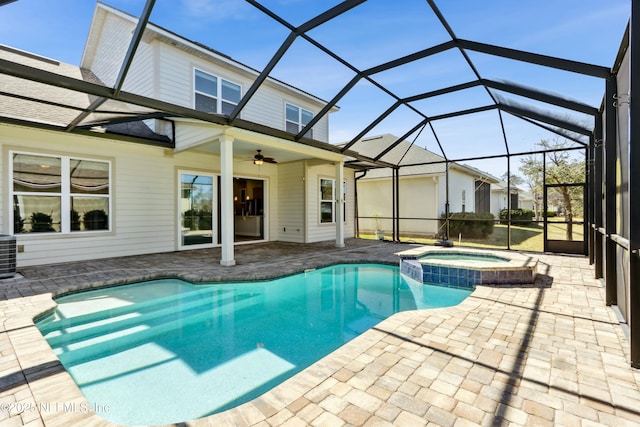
529,238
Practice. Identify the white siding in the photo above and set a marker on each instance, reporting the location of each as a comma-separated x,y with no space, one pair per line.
498,201
141,75
143,205
192,134
144,200
112,46
175,76
458,181
266,107
166,72
417,200
318,232
291,212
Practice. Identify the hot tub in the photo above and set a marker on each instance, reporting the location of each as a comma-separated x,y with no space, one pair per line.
466,267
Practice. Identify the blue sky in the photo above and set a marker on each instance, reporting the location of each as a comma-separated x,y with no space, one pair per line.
372,33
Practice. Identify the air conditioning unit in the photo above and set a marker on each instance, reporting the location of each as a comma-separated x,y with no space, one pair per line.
7,256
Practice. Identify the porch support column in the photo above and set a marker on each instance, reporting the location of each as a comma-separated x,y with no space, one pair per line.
339,205
226,200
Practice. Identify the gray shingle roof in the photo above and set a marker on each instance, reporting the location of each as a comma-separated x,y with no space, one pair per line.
424,162
60,106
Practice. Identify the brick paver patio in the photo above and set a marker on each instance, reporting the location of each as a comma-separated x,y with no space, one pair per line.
546,354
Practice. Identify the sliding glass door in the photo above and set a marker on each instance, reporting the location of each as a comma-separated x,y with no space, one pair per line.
198,208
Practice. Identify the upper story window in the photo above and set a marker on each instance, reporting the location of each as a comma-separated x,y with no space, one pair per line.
214,94
297,118
59,194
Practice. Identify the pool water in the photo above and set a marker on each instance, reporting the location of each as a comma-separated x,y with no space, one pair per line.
167,351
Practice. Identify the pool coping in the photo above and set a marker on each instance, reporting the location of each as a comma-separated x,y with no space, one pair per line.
516,259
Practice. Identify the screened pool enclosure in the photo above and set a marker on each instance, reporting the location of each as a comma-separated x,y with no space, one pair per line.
473,103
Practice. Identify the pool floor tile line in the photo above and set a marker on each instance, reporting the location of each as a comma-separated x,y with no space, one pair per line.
551,353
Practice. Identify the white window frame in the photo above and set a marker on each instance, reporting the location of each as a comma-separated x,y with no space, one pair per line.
464,200
218,98
299,123
333,200
65,195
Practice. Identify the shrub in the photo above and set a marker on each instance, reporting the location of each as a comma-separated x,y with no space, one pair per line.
96,220
196,219
41,222
18,222
75,220
521,217
469,224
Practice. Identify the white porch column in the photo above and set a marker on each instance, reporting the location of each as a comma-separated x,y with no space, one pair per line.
226,200
339,205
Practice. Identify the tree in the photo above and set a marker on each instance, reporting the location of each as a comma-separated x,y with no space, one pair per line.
531,168
561,168
516,180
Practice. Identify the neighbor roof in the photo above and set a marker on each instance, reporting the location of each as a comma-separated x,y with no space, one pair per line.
418,160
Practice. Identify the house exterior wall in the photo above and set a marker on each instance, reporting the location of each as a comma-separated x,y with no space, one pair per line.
160,70
144,199
417,197
498,202
316,231
291,213
113,38
458,182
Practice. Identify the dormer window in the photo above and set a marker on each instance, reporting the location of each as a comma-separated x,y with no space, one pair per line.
297,118
214,94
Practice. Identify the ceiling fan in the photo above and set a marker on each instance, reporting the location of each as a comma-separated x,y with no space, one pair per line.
259,159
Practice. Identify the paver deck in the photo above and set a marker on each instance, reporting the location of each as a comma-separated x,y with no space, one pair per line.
545,354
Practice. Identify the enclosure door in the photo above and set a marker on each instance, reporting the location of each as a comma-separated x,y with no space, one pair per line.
564,225
197,223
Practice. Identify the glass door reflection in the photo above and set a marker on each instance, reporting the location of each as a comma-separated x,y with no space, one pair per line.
197,219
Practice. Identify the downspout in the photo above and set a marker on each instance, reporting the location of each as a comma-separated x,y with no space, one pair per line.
397,202
355,196
446,195
508,203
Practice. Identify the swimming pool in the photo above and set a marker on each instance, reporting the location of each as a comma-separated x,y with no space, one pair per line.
168,351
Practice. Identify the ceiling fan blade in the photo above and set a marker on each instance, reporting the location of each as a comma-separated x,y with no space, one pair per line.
270,160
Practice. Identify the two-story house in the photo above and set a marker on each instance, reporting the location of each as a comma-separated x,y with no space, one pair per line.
97,191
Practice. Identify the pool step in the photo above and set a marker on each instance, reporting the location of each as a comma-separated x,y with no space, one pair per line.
76,321
149,318
102,346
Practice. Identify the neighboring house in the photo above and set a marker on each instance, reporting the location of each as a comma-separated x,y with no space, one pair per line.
164,184
422,188
519,199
